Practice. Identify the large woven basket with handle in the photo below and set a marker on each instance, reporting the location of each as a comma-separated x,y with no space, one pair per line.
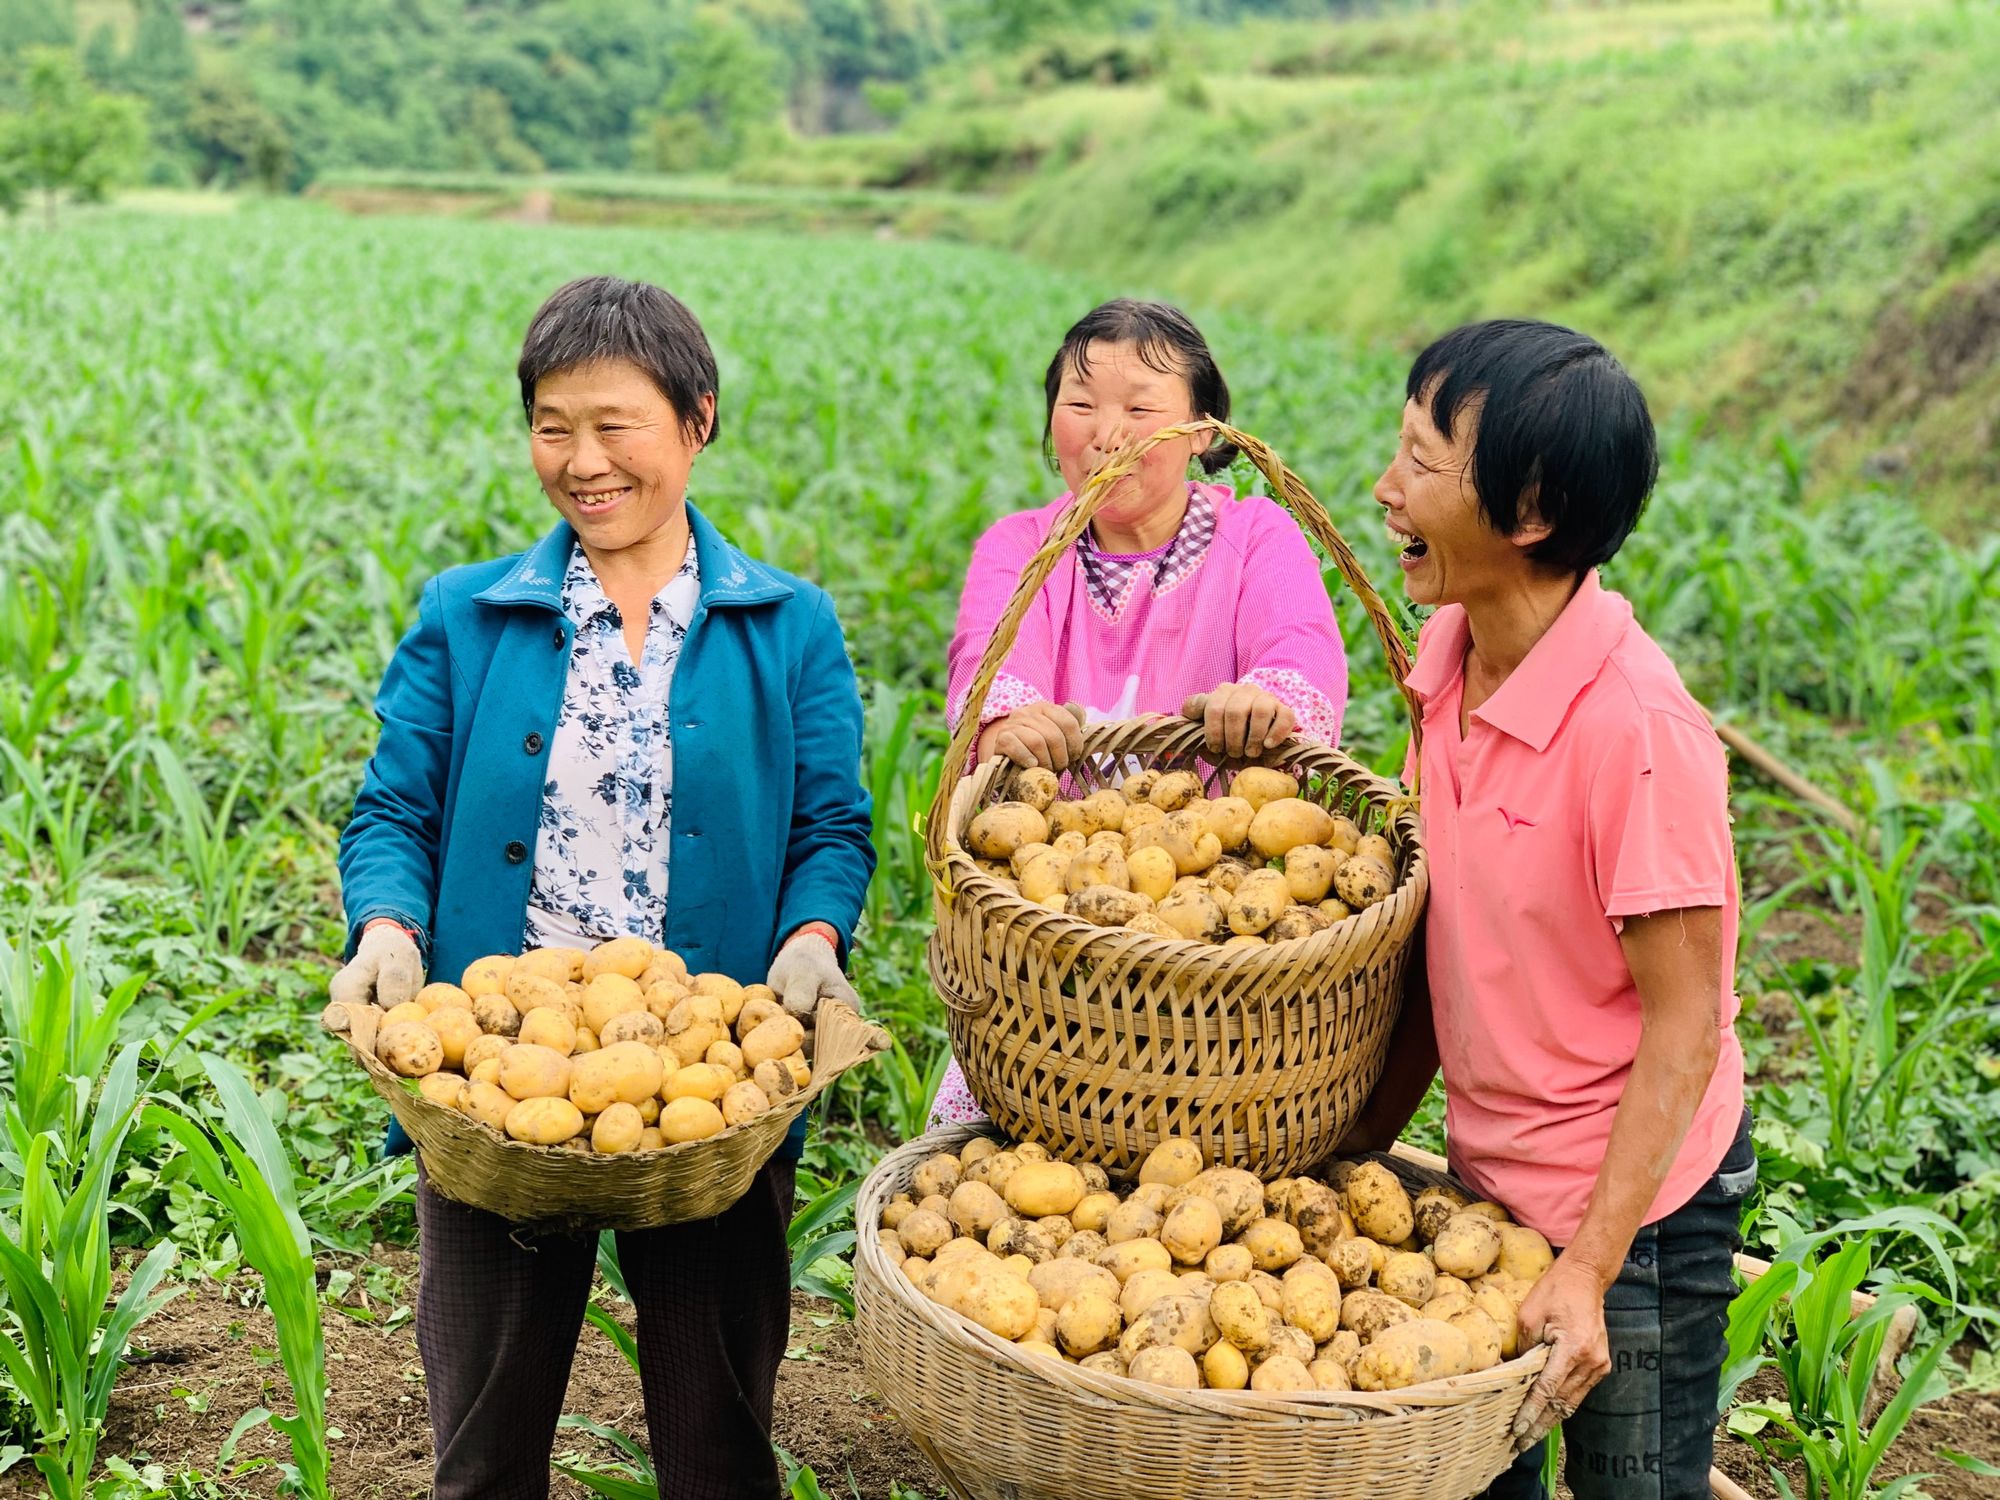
1098,1041
1002,1424
548,1188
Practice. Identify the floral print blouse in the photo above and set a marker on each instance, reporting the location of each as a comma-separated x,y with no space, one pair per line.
608,803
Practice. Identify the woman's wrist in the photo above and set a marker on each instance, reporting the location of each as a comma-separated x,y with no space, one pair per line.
823,930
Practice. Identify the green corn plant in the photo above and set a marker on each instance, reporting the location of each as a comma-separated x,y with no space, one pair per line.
63,1346
1797,1319
55,1044
222,861
248,1171
816,1235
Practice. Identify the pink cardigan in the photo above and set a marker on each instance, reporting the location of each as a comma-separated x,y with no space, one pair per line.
1254,609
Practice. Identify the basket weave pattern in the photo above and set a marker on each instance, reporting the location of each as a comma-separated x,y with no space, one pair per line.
999,1424
548,1188
1102,1041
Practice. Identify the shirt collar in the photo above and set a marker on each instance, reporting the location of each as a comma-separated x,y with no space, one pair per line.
1532,703
728,576
586,603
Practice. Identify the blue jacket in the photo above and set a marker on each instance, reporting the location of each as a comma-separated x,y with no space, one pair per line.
771,823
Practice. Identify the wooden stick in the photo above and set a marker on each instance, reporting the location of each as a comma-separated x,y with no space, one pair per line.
1776,771
1723,1487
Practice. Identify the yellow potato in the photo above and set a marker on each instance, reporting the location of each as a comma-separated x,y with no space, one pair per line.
726,1054
634,1069
777,1037
650,1139
446,1089
1012,1237
1239,1315
728,995
1374,846
586,1041
481,1049
1467,1246
1090,1321
1105,810
1312,1305
1181,1321
1223,1367
547,1027
1309,872
801,1070
1195,916
1134,1219
1152,872
1285,824
1106,906
1505,1316
618,1128
487,1102
924,1232
531,1071
1237,1193
529,990
1104,865
1056,1281
1228,818
1229,1263
1192,1230
775,1079
975,1209
1412,1353
544,1121
1126,1259
1368,1313
1035,785
699,1081
1380,1207
558,964
592,1087
1363,882
1171,791
1482,1336
1282,1372
1038,1188
998,831
743,1102
665,964
409,1049
448,996
1257,902
1351,1261
936,1174
1524,1254
664,994
635,1026
608,996
1093,1211
1258,785
1000,1302
1045,878
496,1015
486,976
692,1026
690,1120
1273,1244
409,1010
627,956
1173,1162
1165,1366
1144,1289
456,1031
1408,1277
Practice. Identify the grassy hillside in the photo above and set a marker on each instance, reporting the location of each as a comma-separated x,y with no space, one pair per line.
1788,225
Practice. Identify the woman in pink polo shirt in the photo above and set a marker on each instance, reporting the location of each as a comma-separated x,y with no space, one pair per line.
1177,589
1578,979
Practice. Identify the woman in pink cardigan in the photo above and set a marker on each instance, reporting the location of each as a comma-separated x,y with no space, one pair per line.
1178,590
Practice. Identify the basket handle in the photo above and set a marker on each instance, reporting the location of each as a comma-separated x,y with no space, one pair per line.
1290,489
356,1022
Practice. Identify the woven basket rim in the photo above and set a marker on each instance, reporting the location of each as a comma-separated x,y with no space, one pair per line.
1408,1402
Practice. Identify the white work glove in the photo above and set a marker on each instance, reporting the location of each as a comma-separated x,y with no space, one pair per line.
386,968
807,970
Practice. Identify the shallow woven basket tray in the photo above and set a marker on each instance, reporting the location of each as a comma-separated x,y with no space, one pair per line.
1099,1041
549,1188
1002,1425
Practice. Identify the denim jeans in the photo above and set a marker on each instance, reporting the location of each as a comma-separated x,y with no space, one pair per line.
1647,1430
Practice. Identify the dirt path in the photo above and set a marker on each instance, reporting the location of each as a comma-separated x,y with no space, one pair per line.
208,1358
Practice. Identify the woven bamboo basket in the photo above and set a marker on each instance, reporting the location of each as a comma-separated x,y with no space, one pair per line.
548,1188
999,1424
1099,1042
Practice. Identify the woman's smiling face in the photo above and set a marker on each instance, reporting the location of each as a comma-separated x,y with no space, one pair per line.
1449,551
1114,399
611,452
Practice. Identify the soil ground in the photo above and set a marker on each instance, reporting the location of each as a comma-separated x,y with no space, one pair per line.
212,1355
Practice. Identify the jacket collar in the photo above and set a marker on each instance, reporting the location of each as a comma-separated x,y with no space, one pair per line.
1532,703
729,578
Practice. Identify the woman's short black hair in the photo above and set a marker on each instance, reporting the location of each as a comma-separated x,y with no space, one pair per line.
606,317
1167,341
1563,431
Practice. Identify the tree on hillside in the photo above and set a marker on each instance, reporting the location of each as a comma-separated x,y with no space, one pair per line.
235,139
726,92
36,23
70,140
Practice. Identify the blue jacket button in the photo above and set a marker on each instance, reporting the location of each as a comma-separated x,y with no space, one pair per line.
532,744
516,851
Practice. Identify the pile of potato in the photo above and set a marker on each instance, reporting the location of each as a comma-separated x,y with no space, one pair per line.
1205,1277
1156,854
611,1050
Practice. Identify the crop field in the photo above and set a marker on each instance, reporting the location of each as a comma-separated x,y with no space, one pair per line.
235,446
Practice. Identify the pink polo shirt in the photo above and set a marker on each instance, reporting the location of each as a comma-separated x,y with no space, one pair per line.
1588,789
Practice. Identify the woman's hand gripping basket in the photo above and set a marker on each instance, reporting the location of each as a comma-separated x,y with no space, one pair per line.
1103,1040
573,1099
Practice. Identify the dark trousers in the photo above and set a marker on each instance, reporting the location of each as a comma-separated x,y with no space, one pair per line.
1647,1430
498,1316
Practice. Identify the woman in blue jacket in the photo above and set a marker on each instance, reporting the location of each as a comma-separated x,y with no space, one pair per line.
631,728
